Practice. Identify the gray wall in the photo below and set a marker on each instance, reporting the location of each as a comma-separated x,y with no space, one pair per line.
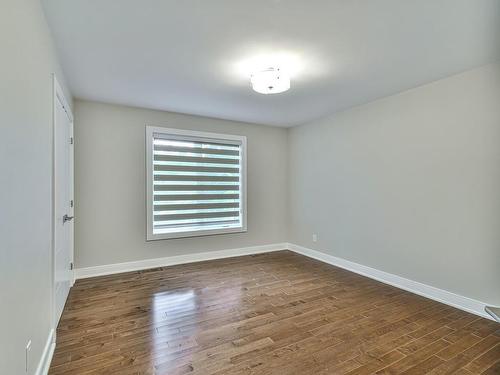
409,184
110,224
27,61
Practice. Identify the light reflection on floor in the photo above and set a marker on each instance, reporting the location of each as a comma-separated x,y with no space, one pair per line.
173,315
167,308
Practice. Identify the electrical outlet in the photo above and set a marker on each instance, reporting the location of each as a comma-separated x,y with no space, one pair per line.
315,237
28,349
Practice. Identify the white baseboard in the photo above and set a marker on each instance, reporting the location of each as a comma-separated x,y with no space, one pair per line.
48,352
440,295
109,269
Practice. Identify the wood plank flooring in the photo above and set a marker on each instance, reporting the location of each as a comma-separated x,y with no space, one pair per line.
277,313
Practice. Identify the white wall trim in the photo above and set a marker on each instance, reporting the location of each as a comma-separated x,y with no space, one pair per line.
109,269
436,294
58,96
48,352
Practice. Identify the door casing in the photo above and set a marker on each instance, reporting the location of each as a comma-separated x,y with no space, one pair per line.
58,95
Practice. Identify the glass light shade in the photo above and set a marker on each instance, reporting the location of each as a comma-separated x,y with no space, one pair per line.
270,81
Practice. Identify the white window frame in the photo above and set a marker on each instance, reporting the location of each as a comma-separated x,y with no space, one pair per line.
189,135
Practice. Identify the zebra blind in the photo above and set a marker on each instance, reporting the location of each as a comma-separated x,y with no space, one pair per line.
197,184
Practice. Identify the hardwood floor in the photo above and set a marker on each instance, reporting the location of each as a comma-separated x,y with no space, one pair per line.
277,313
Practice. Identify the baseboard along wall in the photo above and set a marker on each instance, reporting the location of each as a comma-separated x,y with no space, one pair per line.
109,269
440,295
48,352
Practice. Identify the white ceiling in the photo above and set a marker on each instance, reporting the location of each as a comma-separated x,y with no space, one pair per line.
195,56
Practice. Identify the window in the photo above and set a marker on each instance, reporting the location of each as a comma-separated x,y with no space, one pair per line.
196,183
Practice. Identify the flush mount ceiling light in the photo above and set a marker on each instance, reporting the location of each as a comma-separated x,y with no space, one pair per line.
270,81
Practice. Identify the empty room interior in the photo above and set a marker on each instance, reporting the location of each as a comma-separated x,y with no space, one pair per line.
259,187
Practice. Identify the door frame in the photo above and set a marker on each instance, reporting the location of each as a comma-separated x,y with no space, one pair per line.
58,95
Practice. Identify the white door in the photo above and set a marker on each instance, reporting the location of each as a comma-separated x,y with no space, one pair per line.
63,201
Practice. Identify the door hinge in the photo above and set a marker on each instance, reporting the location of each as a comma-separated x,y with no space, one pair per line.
71,266
71,203
71,140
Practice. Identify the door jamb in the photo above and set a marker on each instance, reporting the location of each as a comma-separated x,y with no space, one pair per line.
58,95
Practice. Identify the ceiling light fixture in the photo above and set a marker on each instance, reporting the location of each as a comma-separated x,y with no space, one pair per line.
270,81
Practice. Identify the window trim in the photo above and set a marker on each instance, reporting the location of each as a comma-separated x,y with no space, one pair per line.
181,133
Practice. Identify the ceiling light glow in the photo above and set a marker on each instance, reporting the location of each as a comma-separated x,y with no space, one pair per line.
270,81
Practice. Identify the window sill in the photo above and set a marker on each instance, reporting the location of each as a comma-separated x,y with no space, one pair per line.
194,233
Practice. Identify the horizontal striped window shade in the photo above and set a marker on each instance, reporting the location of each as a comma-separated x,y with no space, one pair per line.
196,183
